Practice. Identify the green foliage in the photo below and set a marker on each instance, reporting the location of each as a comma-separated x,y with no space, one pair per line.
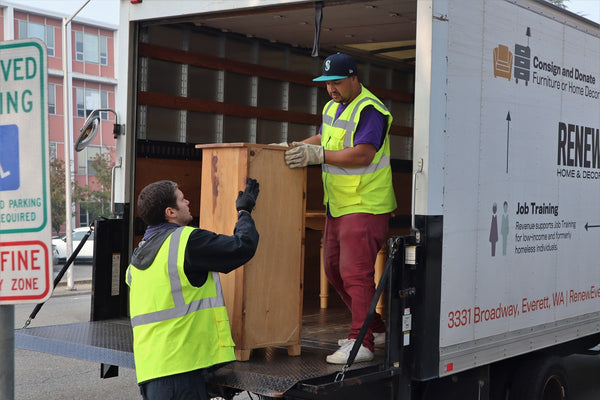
559,3
97,202
57,194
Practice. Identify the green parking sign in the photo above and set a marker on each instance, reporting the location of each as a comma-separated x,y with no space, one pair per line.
25,229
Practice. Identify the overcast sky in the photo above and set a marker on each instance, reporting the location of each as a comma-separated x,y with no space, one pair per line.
587,8
106,11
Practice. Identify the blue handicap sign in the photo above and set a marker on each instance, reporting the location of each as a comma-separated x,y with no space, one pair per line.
9,158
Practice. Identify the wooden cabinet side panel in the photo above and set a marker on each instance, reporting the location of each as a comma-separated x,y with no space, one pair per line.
264,297
273,300
223,176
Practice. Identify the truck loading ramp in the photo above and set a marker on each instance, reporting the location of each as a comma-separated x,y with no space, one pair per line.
269,372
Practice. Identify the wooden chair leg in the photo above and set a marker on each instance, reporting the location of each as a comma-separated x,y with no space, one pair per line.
324,294
379,266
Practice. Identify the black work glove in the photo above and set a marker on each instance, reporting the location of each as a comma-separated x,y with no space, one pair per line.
247,199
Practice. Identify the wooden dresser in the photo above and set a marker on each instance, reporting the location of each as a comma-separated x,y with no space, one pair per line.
263,297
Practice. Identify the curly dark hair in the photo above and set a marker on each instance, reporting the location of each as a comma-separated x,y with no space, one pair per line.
154,200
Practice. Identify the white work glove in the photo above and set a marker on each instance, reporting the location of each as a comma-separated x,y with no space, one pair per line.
303,154
284,144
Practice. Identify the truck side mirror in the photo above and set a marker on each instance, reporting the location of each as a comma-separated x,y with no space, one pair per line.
90,128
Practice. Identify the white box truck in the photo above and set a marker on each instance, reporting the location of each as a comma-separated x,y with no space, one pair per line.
496,160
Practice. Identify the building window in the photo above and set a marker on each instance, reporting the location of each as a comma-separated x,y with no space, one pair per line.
80,100
103,50
81,161
29,30
85,158
79,46
92,101
87,101
104,104
91,52
83,214
91,48
53,151
93,153
50,40
52,98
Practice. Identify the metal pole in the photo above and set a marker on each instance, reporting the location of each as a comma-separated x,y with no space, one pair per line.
68,139
66,121
7,352
7,312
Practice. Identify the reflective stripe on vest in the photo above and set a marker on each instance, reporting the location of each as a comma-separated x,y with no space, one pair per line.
364,189
180,308
349,126
384,162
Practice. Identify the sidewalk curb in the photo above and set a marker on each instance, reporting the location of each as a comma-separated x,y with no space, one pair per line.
76,282
83,286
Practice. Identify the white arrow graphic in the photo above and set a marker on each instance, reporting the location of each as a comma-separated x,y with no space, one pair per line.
2,173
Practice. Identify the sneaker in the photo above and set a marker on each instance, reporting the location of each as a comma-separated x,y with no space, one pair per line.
342,354
379,339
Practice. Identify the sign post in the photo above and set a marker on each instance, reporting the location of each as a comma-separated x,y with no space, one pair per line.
25,229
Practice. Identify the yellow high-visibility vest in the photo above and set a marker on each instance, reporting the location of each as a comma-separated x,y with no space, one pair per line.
176,327
363,189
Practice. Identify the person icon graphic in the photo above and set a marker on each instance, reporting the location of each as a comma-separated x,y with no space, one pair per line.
494,229
504,228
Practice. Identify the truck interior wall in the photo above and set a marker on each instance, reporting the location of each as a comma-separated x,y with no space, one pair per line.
207,87
197,85
186,173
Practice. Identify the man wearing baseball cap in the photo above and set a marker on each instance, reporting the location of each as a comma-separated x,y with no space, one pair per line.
353,148
337,66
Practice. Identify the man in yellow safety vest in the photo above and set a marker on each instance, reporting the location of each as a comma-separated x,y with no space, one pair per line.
353,148
178,315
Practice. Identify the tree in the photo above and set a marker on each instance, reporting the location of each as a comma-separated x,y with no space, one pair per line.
57,193
559,3
97,201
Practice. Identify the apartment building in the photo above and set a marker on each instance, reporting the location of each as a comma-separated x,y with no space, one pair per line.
91,78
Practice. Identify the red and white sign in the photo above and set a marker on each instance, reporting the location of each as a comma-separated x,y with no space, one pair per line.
25,214
23,272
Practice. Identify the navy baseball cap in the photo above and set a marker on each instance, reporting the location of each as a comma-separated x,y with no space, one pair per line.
337,66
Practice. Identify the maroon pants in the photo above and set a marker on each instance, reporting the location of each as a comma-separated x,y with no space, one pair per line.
350,246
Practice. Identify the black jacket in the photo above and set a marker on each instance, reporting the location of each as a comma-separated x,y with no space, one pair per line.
206,251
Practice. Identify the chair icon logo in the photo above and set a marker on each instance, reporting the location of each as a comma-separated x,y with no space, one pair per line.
503,62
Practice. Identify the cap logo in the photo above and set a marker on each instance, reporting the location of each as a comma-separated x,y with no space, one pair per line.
327,65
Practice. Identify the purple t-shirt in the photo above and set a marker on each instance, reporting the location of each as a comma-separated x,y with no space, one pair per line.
371,126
